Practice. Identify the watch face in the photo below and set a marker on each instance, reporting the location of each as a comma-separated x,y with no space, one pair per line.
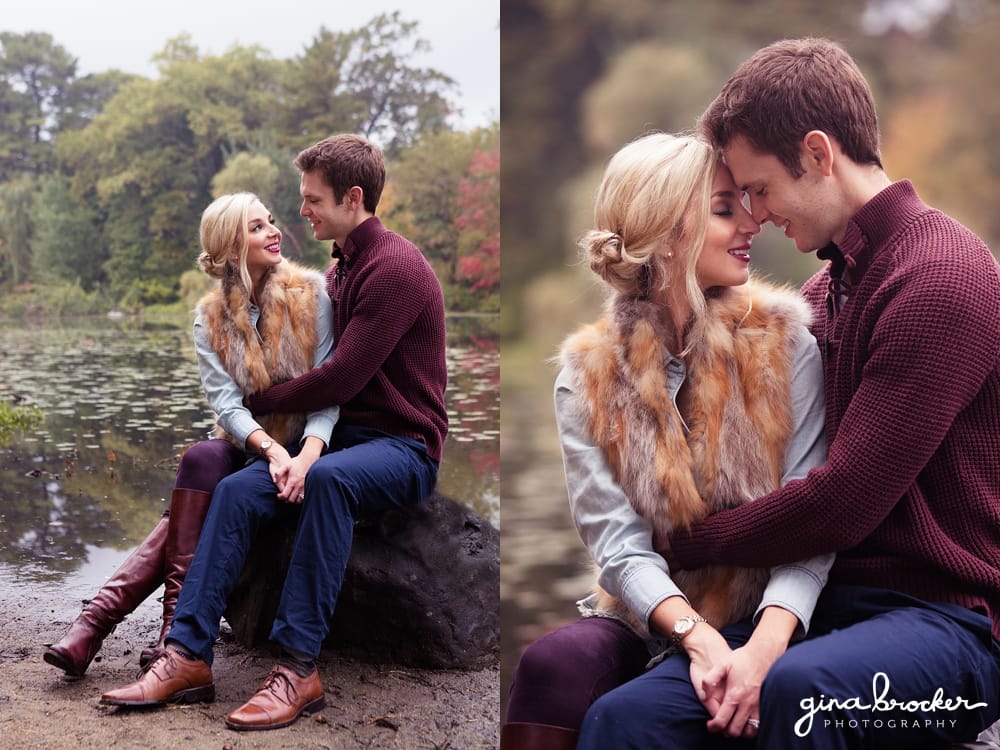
683,626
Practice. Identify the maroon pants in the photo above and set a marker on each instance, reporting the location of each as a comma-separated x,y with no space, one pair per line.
563,672
204,465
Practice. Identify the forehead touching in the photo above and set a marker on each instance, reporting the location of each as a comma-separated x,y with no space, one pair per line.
750,168
723,184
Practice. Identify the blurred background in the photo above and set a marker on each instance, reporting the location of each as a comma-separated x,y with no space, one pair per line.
580,78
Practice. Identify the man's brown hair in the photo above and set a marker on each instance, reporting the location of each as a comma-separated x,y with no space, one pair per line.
347,160
786,90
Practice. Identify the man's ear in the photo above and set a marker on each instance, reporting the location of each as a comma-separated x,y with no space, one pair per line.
355,197
818,151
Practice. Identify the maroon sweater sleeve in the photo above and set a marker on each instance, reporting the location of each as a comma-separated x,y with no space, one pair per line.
385,306
933,344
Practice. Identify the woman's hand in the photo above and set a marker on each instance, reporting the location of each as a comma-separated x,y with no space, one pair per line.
704,645
293,475
707,650
738,679
278,464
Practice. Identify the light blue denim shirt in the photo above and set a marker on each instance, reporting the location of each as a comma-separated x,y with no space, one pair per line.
226,398
620,540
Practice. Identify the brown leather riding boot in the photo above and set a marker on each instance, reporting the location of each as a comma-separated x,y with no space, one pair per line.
135,580
523,736
188,509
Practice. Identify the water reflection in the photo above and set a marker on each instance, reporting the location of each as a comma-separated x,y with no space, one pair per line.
122,401
545,568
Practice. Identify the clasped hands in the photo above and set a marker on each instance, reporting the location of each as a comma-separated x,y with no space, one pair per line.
288,474
728,682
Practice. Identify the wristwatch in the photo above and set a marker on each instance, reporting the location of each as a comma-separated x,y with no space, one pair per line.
683,627
264,446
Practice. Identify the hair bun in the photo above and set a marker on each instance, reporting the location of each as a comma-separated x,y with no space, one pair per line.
604,250
212,268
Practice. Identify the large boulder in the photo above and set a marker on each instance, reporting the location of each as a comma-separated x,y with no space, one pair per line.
422,588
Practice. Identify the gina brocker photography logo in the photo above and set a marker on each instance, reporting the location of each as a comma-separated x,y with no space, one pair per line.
883,711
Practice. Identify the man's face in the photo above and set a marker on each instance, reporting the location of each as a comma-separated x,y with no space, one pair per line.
329,220
801,207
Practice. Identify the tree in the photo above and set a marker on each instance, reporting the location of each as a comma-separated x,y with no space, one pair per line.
442,177
364,81
478,221
154,149
67,244
87,96
17,203
35,74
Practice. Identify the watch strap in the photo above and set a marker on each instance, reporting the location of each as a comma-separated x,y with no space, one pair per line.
679,635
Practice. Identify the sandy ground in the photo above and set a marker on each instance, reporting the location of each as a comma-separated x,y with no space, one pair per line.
368,705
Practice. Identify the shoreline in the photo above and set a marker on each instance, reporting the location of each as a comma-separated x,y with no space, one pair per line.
368,705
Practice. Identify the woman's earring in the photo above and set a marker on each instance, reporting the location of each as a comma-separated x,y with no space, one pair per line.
670,253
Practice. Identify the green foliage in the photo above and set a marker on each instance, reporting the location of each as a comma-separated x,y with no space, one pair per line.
67,244
363,81
193,286
17,203
53,300
103,178
432,189
14,417
35,75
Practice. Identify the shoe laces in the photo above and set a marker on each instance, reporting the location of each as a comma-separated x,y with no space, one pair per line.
161,655
271,685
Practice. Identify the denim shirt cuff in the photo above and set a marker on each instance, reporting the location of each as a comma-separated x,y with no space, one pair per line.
645,588
794,588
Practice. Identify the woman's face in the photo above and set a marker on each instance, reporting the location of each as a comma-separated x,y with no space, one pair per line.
725,256
264,249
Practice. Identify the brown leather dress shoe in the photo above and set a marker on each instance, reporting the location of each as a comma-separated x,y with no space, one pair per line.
282,699
168,678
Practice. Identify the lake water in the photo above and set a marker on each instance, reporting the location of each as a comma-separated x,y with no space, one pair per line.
121,402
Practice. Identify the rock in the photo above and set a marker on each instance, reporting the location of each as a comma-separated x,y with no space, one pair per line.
422,588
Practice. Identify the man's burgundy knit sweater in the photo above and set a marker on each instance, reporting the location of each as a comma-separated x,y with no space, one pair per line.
909,497
388,366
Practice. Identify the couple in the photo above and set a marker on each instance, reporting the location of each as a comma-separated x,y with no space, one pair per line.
702,389
330,396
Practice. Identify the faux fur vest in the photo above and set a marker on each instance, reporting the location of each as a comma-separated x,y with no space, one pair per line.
280,348
724,447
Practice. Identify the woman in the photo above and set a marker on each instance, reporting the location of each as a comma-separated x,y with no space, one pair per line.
251,331
695,390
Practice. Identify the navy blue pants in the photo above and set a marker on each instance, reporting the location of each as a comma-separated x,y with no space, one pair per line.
365,473
880,670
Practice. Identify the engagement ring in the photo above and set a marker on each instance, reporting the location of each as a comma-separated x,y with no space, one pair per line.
755,723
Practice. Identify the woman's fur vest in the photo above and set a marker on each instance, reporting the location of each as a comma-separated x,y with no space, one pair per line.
281,347
736,407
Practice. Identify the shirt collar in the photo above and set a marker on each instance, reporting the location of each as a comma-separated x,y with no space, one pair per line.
358,241
875,223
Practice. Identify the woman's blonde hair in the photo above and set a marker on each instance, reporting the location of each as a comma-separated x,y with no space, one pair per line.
654,200
223,234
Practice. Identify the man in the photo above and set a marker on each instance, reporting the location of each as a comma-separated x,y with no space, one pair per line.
388,375
902,647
